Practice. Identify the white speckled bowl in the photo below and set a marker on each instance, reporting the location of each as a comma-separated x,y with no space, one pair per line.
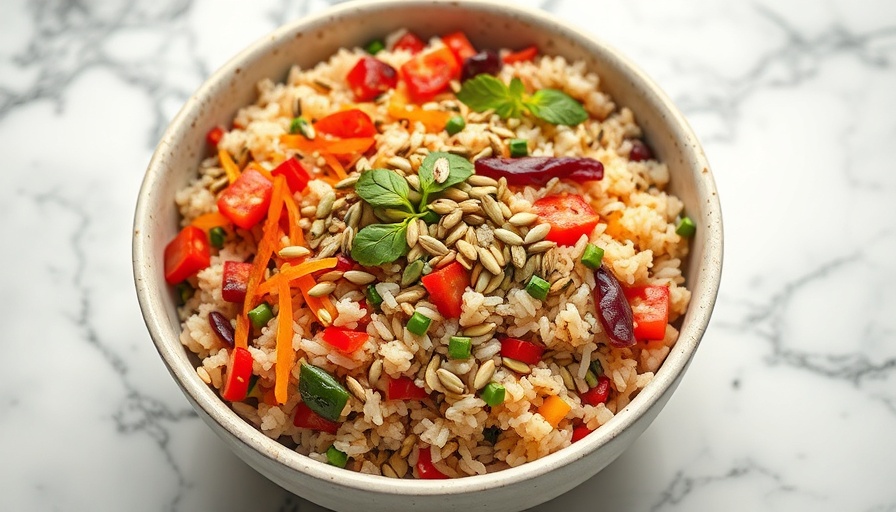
488,24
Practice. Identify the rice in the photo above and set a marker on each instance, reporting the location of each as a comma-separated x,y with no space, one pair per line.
460,433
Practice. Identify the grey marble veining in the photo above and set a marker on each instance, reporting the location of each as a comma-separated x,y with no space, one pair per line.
789,405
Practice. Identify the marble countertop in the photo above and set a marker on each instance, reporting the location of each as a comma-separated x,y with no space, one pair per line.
790,403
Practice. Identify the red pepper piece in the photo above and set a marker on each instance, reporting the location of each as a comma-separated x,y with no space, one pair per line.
428,73
409,42
306,418
239,372
569,215
425,468
599,393
579,432
294,173
613,309
524,351
526,54
213,137
344,340
538,170
186,254
234,281
245,202
650,311
460,46
403,388
371,77
346,124
446,288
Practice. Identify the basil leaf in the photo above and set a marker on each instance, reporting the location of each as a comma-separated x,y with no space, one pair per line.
484,92
377,244
459,169
384,189
556,107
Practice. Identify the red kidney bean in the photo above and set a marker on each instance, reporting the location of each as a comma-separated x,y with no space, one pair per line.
613,309
221,325
538,170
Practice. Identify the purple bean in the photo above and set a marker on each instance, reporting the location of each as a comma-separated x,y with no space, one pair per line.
538,170
221,325
613,309
486,61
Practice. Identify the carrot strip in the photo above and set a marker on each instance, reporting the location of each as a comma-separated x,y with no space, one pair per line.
334,163
211,220
285,353
290,273
296,235
433,120
333,146
230,167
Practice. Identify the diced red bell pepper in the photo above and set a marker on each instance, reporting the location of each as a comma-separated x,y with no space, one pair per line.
403,388
294,173
306,418
446,288
234,281
371,77
186,254
425,468
344,340
523,55
459,45
650,311
569,215
579,432
346,124
524,351
245,202
429,73
599,393
238,375
409,42
213,137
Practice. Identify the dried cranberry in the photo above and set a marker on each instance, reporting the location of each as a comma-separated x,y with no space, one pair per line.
640,151
486,61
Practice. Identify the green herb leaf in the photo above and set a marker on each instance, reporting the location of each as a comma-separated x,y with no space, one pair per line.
377,244
556,107
384,189
459,169
484,92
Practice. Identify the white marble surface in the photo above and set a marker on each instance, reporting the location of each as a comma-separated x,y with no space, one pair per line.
789,405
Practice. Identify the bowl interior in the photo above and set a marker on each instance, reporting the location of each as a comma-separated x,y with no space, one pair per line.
488,24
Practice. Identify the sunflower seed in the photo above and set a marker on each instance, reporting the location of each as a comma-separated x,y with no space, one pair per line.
451,220
356,388
408,445
399,163
455,194
411,295
493,283
388,471
308,211
412,234
407,309
543,246
203,374
484,374
455,234
328,247
495,143
492,210
411,273
482,281
523,219
474,275
450,381
322,288
445,260
480,192
430,376
359,277
485,153
443,206
415,141
474,220
347,182
220,185
317,228
325,205
466,249
479,180
456,150
373,374
502,132
504,208
414,182
498,254
464,262
567,379
470,206
432,246
518,256
508,237
293,251
559,284
517,366
415,253
480,330
324,316
333,275
488,260
353,216
399,464
348,238
537,233
339,203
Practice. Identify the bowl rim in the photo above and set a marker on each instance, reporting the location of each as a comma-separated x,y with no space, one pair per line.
202,396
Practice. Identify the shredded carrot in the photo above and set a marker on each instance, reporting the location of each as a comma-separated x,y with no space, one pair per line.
291,273
337,167
333,146
264,172
230,168
296,236
554,409
269,238
211,220
285,353
432,120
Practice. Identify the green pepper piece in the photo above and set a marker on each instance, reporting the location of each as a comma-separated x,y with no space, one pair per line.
322,392
336,457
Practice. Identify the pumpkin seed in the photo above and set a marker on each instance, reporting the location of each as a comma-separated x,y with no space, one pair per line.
411,273
359,277
399,464
322,288
567,379
484,374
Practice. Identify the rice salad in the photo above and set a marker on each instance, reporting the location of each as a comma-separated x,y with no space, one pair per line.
422,259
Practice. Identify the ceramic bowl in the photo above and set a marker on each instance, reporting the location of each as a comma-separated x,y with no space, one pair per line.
488,24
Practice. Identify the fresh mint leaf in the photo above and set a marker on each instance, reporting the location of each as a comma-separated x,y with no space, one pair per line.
382,188
484,92
555,107
433,166
377,244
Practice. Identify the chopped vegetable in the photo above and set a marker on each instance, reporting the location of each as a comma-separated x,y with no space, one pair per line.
485,92
403,388
428,73
346,124
238,375
210,220
599,393
418,323
455,124
184,292
285,354
294,173
217,236
213,137
373,296
371,77
425,468
538,170
230,168
323,393
446,288
579,432
247,199
291,273
569,215
261,315
590,379
592,256
306,418
459,347
518,148
221,327
490,434
301,126
336,457
554,409
460,46
538,287
409,42
344,340
613,309
639,152
351,146
493,394
375,46
523,351
486,61
186,254
526,54
433,120
650,311
686,227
